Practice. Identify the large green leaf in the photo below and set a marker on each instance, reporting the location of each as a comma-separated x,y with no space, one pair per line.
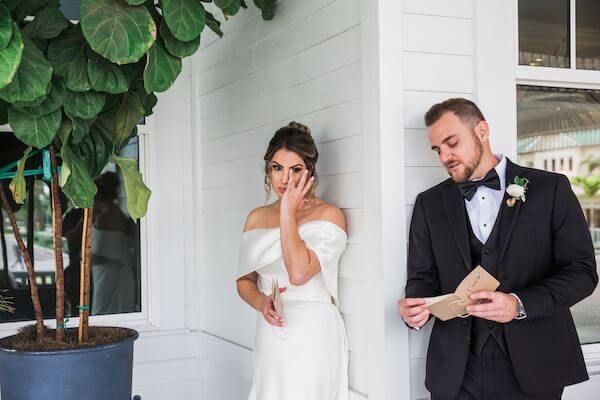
6,26
48,24
116,30
52,101
106,76
129,114
33,76
267,7
185,18
214,24
136,191
18,185
135,2
80,128
75,179
62,136
223,3
96,148
175,46
10,57
32,131
68,54
84,105
4,112
31,7
161,70
32,103
233,8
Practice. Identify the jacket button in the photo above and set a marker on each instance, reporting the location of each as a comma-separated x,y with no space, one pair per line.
487,250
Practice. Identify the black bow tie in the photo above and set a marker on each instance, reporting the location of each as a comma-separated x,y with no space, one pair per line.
491,180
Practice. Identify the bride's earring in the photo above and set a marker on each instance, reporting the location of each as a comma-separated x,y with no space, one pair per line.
267,190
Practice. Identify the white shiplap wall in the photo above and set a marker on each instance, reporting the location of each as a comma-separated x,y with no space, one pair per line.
305,65
438,64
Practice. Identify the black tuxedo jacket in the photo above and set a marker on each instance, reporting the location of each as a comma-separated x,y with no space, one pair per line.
546,257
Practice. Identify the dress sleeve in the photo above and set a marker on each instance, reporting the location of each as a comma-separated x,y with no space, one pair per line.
257,250
328,242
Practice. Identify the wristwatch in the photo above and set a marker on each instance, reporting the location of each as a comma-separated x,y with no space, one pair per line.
521,314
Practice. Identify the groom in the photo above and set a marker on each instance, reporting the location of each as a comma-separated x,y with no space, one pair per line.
520,341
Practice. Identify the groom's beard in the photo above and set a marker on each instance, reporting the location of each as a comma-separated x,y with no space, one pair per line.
470,166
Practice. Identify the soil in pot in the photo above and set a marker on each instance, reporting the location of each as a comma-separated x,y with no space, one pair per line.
26,339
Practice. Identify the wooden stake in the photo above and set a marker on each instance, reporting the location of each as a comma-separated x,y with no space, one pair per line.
84,292
35,298
57,243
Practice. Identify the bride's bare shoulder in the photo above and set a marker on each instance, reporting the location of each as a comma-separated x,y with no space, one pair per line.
329,212
256,218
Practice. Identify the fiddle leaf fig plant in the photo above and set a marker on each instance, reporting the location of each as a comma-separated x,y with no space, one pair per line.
78,89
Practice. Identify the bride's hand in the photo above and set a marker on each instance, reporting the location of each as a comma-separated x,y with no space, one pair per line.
264,304
295,195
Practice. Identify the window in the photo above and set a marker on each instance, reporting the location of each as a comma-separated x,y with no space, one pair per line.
588,34
553,123
544,33
559,34
116,266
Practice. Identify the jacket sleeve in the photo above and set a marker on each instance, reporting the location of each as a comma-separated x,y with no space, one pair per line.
423,278
575,276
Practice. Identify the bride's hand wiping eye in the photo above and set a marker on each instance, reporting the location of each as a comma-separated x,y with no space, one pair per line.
295,194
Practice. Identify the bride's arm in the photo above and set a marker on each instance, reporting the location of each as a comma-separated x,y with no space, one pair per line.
247,286
300,262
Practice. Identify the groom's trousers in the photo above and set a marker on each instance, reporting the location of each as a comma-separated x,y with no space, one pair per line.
489,376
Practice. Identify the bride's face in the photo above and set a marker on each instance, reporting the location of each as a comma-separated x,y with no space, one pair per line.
282,163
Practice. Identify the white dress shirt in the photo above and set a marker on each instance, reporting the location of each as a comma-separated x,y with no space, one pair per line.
483,208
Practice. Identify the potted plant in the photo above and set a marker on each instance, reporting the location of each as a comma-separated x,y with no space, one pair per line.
73,94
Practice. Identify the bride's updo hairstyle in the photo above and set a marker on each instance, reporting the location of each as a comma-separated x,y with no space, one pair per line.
294,137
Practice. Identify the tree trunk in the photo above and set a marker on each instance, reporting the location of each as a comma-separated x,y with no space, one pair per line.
35,298
57,244
84,291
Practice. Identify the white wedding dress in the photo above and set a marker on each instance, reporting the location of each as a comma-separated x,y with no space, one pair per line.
308,358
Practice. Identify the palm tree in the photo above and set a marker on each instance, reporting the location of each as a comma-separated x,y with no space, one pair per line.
592,163
589,184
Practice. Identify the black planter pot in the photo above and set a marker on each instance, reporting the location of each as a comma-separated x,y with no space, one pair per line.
95,373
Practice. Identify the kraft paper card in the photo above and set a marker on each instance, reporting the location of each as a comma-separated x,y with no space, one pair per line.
455,304
277,302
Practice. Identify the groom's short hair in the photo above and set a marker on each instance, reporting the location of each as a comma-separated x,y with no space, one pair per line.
465,109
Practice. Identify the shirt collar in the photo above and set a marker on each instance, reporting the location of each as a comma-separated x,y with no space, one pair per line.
501,170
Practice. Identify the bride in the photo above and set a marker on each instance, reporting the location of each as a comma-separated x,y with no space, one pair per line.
292,247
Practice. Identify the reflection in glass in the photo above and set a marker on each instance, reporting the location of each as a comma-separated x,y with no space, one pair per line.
544,33
588,34
554,125
115,261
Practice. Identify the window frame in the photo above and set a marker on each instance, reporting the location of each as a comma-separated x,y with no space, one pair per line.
140,320
562,78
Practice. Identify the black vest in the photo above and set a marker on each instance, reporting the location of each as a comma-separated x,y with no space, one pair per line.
487,256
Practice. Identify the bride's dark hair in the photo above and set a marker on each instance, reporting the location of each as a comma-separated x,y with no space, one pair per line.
294,137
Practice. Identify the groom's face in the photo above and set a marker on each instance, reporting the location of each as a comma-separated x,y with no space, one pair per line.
458,147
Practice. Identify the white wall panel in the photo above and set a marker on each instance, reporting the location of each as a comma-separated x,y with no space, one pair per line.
305,65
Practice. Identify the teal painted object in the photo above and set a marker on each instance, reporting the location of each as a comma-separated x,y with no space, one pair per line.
8,171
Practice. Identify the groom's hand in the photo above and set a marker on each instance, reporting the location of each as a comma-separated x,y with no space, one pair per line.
497,306
413,312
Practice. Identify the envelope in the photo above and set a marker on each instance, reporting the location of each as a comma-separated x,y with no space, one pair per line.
277,302
455,304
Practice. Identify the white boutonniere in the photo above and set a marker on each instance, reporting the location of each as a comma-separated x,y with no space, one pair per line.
517,191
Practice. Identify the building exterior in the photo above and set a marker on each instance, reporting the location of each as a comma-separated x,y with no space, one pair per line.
361,74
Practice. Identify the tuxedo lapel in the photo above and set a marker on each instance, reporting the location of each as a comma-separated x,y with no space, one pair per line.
457,219
508,215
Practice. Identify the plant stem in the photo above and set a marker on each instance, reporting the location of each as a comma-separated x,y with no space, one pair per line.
84,291
35,298
57,244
